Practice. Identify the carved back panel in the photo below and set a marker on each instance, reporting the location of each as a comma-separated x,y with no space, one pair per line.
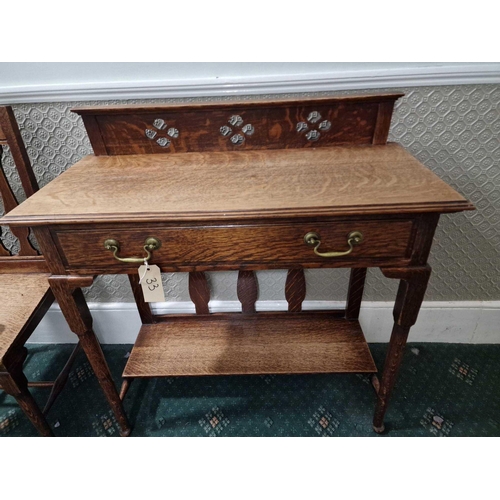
236,126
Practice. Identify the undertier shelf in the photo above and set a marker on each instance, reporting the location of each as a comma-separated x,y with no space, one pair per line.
249,344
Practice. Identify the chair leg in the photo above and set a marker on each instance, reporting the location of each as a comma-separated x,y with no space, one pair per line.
61,380
15,383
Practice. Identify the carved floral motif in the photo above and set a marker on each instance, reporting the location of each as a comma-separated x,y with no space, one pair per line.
313,134
234,135
162,141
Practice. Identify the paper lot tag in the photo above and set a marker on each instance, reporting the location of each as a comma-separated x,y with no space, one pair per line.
152,287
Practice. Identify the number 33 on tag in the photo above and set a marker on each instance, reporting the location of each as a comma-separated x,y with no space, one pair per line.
152,287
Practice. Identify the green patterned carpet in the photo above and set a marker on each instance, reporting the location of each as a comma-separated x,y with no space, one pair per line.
443,390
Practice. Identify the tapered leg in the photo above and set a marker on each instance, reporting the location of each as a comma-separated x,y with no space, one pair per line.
408,301
389,374
68,294
14,382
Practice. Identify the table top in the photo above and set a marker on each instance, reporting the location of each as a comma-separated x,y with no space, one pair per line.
331,181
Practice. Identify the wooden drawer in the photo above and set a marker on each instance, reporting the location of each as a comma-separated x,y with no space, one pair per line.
233,245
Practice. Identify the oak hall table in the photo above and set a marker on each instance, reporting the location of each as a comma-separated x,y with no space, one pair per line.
289,184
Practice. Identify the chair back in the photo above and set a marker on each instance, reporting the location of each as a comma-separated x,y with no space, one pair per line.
27,258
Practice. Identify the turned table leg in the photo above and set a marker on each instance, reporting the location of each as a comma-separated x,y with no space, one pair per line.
68,294
408,301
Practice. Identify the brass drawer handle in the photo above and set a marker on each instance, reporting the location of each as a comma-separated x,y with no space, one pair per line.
149,245
313,239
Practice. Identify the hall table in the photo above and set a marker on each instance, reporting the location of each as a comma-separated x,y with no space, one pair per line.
257,184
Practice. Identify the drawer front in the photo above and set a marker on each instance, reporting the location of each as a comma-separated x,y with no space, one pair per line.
232,245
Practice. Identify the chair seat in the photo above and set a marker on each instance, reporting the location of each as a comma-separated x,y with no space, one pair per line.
20,295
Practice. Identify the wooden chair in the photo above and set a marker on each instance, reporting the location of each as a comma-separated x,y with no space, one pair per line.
24,289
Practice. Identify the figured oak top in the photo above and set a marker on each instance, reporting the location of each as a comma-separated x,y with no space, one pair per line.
240,185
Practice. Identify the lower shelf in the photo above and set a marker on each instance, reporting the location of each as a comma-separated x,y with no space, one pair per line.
253,344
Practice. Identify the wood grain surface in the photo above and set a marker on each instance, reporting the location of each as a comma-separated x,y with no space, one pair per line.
24,288
143,307
23,264
199,292
247,290
191,246
217,204
21,294
295,289
249,344
13,138
409,298
9,203
10,135
273,128
355,292
239,185
68,293
233,126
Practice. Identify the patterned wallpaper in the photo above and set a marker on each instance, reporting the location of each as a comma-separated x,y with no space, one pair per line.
453,130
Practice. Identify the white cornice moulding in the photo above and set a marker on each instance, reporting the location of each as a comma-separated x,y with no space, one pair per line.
447,74
461,322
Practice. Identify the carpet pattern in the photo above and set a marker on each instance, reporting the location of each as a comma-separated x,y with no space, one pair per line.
443,390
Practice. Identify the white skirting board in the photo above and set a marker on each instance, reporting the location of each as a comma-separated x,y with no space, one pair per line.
463,322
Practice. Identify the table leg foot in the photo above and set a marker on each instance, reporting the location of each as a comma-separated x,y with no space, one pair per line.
410,295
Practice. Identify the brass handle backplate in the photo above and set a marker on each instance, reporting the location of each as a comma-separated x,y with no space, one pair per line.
149,245
313,239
